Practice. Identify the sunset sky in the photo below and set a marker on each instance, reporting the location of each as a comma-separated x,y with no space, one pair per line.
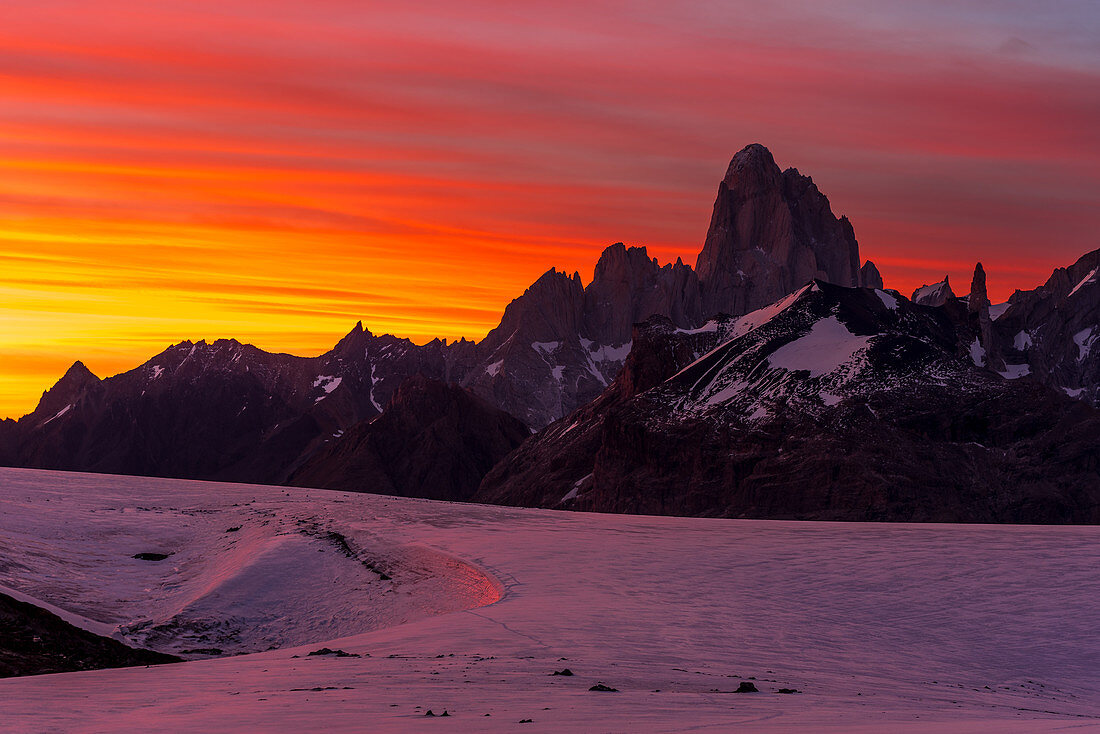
274,171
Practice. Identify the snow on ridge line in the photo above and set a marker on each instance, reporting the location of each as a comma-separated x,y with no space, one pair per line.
707,328
929,290
750,322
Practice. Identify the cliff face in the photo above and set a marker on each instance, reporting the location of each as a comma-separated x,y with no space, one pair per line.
771,232
629,286
434,440
1052,333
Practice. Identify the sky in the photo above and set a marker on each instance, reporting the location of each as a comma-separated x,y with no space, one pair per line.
275,171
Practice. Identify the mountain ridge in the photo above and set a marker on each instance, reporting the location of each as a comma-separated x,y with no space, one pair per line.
230,411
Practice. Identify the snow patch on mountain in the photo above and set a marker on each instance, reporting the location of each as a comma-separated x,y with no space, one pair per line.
328,383
1015,371
57,415
935,294
977,353
546,348
761,316
607,353
1022,341
1084,339
887,300
373,384
707,328
1090,278
827,347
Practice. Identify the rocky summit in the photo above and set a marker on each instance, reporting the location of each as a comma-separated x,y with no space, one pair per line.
771,232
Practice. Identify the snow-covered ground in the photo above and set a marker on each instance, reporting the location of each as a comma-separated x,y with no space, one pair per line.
880,627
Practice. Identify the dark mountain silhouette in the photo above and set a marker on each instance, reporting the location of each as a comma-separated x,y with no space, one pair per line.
371,412
833,404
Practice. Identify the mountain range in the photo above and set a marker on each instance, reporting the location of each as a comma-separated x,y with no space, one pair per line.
776,378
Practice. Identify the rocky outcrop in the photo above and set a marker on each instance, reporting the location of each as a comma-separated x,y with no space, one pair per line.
934,295
551,307
35,641
537,364
629,286
1052,333
560,344
771,231
77,382
433,440
833,403
869,276
977,306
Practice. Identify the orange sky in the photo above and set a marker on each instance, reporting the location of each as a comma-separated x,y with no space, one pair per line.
274,171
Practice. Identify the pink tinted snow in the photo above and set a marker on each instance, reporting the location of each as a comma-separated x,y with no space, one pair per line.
908,628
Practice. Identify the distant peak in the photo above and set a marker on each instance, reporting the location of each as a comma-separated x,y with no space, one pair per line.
753,169
935,294
869,276
79,370
753,153
353,339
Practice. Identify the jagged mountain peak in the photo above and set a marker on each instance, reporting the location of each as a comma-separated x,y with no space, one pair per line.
770,232
752,164
935,294
355,341
65,394
979,296
78,371
869,276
